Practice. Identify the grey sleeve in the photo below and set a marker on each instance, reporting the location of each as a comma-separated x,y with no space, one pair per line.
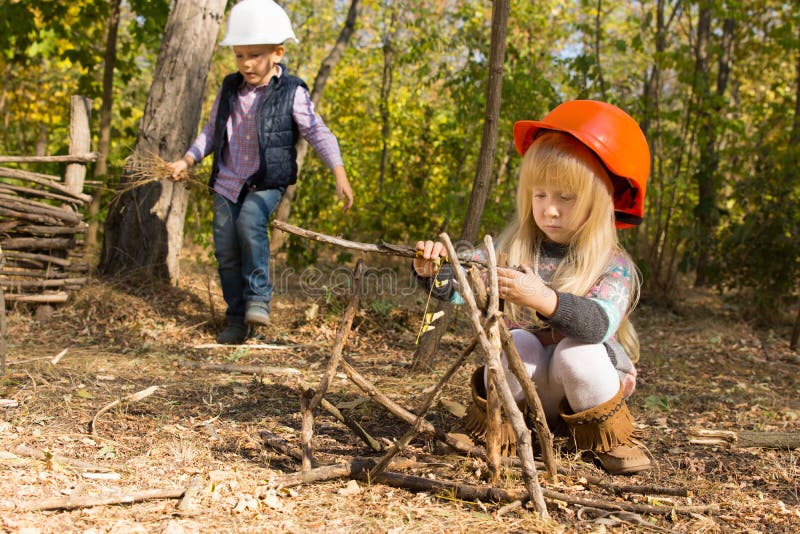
579,317
445,287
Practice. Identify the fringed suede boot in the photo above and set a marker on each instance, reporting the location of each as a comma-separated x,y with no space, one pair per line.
476,419
607,431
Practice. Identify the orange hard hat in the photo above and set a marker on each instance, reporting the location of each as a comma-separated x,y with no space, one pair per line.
614,137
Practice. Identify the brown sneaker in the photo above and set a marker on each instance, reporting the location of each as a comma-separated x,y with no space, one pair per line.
625,459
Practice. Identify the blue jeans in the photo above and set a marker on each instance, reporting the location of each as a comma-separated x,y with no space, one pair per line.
241,245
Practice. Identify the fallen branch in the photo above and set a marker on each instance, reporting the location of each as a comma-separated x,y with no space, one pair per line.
118,497
746,438
276,442
349,469
386,249
45,180
254,346
71,158
243,369
188,503
23,450
311,399
133,397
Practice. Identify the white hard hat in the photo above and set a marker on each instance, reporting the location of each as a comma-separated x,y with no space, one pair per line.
254,22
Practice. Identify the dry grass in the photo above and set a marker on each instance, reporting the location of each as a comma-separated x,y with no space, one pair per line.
704,367
147,168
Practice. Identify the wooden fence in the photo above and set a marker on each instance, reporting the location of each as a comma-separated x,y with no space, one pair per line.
41,220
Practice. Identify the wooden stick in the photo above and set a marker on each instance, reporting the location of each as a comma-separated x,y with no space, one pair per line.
63,262
49,298
72,158
332,472
43,283
24,450
44,180
531,399
493,400
52,230
118,497
38,243
243,369
383,248
278,443
188,503
133,397
492,350
357,429
746,438
14,189
33,273
33,206
307,428
3,328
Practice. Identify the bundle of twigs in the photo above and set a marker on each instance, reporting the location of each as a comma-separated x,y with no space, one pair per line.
149,167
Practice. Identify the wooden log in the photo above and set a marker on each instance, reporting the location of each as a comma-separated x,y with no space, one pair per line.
41,193
37,243
86,157
14,214
43,283
7,226
45,258
43,180
48,298
244,369
32,206
307,430
53,230
80,141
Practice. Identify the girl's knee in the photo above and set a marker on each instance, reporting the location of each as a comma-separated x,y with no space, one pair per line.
573,359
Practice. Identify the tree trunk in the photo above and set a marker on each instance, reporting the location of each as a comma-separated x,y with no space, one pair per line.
483,174
386,89
282,212
144,230
706,176
101,166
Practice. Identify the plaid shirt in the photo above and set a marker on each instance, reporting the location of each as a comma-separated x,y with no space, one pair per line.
240,159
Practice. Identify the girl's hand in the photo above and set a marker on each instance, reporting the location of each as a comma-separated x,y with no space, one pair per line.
526,288
430,251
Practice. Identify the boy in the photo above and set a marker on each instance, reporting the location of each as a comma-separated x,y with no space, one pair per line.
256,120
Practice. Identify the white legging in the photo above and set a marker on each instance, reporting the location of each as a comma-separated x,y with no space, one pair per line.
581,372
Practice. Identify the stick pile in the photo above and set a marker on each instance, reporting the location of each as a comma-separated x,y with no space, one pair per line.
40,224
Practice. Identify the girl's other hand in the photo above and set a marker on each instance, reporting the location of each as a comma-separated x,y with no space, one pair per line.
430,252
526,288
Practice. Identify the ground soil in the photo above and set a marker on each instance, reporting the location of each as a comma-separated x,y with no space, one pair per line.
703,366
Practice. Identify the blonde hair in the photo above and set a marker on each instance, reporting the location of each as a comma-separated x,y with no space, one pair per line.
558,160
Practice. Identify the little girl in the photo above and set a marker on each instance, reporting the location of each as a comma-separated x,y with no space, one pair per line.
583,175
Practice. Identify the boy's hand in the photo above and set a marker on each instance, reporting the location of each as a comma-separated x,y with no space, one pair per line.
343,190
526,288
425,264
179,168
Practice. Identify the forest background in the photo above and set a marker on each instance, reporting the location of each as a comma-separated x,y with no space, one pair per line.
714,84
